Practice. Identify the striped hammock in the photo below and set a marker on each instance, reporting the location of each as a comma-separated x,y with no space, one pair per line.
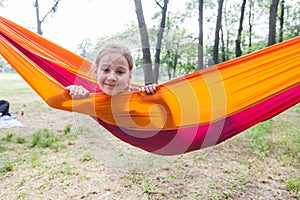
192,112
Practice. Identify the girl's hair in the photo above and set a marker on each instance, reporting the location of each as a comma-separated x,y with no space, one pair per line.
110,48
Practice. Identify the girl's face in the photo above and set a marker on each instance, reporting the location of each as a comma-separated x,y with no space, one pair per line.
113,74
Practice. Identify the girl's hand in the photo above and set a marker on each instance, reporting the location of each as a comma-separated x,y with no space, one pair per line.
77,91
149,89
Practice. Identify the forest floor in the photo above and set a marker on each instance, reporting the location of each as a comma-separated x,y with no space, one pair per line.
62,155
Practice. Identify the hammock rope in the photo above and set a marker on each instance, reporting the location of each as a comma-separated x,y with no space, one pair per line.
192,112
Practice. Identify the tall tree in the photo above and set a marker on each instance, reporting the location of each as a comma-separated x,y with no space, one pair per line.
147,63
41,20
159,38
217,32
225,32
272,22
238,49
250,21
282,6
200,36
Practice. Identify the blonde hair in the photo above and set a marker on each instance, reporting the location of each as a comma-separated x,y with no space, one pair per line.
110,48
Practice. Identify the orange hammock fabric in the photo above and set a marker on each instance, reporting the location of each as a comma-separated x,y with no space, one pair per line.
196,111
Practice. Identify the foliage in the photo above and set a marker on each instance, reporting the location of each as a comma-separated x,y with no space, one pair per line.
292,28
68,132
2,3
2,148
87,157
179,48
84,48
259,138
6,167
8,137
20,140
67,129
293,185
4,66
44,138
283,138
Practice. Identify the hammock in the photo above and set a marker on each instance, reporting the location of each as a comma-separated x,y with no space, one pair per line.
196,111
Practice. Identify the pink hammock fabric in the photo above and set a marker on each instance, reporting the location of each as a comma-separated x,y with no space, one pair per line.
196,111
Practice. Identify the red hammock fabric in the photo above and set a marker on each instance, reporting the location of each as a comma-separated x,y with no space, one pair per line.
196,111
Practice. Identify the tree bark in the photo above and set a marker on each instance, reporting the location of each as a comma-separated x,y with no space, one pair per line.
238,49
147,63
272,22
37,10
217,33
281,21
159,39
200,36
38,21
250,19
223,45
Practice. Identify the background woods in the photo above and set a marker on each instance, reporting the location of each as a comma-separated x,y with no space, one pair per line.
184,37
225,30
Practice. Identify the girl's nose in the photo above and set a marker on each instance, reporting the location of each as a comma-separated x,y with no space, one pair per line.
111,76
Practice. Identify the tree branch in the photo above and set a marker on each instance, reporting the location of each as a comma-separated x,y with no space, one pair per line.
53,9
158,4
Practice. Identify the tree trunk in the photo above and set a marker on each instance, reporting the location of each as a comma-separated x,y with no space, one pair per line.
238,49
251,7
147,63
272,22
225,41
217,33
169,64
281,21
159,39
223,45
176,56
200,37
38,21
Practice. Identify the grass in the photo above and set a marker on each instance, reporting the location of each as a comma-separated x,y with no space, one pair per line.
270,137
41,139
293,185
259,138
8,137
6,167
20,140
45,138
69,134
2,148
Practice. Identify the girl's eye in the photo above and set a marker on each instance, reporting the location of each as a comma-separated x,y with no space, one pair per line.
106,70
120,72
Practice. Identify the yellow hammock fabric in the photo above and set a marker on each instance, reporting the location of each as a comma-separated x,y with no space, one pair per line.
192,112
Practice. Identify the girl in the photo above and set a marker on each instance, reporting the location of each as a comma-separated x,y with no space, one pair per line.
113,70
